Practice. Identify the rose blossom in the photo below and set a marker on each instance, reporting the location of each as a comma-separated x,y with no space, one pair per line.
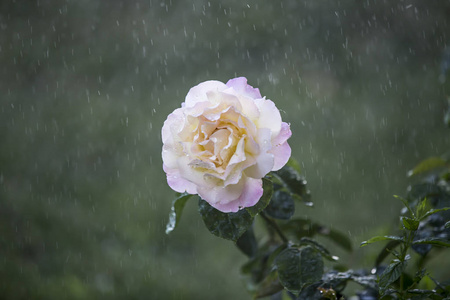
222,141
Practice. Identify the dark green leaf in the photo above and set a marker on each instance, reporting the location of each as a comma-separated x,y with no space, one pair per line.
298,268
410,224
369,281
433,241
433,211
321,249
259,266
417,278
382,238
247,243
229,226
282,206
391,274
428,165
265,198
176,210
294,183
386,251
306,228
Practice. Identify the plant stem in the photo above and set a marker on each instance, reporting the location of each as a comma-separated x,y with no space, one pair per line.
275,226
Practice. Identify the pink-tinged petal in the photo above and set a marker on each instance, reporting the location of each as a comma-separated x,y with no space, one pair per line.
241,86
170,155
249,108
198,92
251,194
215,194
269,116
281,149
281,155
178,183
264,160
172,125
223,101
283,136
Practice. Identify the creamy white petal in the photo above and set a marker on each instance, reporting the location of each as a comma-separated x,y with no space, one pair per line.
198,93
269,116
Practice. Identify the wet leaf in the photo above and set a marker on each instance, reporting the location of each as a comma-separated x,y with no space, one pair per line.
247,243
298,268
428,165
290,178
176,211
320,248
306,228
382,238
410,224
391,274
433,241
386,251
229,226
265,198
433,211
282,206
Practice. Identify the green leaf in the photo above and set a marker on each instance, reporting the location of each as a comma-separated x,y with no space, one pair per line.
421,208
321,249
391,274
447,225
405,202
410,224
290,178
229,226
428,165
176,210
382,238
306,228
265,198
247,243
298,268
433,241
433,211
282,206
386,251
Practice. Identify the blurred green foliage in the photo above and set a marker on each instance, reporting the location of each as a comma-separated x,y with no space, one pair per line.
86,85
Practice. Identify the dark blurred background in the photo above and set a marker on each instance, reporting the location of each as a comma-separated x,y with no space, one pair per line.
85,88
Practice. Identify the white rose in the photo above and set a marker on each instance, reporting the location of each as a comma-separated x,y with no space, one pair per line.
222,141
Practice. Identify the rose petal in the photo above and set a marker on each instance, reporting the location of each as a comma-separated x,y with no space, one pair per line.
172,125
250,195
198,93
241,86
264,160
178,183
216,193
269,116
281,149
